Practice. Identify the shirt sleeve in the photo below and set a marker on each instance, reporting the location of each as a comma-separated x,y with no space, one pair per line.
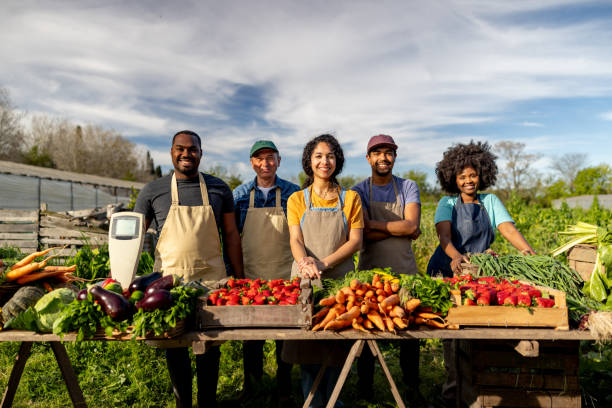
498,211
143,203
444,211
411,192
295,208
355,215
228,199
360,189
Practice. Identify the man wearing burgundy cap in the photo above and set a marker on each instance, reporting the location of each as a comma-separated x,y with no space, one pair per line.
392,214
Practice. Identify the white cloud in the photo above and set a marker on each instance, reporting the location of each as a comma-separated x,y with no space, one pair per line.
353,68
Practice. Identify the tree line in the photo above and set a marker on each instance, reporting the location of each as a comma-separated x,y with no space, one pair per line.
61,144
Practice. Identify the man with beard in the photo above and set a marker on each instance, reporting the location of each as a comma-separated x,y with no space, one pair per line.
193,214
392,214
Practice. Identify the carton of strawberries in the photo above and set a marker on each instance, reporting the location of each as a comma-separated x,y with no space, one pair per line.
489,291
256,292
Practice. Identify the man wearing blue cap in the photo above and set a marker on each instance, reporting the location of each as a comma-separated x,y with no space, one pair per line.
261,212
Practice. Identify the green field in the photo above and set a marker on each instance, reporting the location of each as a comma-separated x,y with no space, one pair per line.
133,374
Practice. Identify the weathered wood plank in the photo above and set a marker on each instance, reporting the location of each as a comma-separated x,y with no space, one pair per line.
532,399
18,228
19,236
19,213
58,241
18,244
13,219
548,361
69,233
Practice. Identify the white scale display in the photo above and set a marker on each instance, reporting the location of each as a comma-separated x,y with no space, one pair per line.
125,239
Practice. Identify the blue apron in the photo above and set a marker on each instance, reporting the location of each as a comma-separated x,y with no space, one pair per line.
471,231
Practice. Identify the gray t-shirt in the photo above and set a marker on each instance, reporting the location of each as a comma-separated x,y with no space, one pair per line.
407,189
154,200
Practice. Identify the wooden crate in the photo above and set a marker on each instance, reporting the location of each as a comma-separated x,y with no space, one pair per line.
494,374
508,316
298,315
19,229
581,258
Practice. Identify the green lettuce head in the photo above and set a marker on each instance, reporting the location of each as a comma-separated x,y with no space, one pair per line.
50,306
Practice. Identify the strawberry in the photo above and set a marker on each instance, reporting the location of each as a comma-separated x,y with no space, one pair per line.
212,298
245,300
259,300
483,300
272,300
231,283
501,296
510,300
469,302
524,300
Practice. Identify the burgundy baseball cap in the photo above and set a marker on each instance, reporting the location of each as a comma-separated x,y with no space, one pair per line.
381,140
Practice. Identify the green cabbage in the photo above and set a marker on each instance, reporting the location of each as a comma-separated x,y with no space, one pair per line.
50,306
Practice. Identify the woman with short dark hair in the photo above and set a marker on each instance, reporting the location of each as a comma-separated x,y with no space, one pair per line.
466,220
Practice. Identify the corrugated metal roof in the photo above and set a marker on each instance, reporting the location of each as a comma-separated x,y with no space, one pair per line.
20,169
584,201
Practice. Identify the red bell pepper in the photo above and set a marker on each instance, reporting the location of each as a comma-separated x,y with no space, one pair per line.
524,300
510,300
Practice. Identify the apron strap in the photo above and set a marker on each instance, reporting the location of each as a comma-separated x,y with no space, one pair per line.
278,196
252,198
174,190
203,190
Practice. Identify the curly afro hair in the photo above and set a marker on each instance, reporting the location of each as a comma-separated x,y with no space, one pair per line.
307,155
457,157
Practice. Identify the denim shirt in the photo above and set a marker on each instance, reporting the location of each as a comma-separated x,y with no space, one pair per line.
242,194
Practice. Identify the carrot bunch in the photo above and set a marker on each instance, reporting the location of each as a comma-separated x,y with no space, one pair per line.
27,270
370,306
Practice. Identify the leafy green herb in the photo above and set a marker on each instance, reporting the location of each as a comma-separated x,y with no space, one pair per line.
159,321
434,293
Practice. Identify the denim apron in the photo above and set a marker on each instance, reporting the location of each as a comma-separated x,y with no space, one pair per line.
471,231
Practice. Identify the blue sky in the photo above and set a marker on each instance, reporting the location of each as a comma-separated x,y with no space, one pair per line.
428,73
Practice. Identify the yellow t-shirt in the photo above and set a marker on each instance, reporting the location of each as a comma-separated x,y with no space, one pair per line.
352,207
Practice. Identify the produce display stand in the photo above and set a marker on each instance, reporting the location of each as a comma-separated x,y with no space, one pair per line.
199,340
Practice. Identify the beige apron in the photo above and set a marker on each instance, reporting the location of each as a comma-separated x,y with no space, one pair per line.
394,252
266,251
324,230
189,244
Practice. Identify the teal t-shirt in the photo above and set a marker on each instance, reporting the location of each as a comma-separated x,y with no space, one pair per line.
495,208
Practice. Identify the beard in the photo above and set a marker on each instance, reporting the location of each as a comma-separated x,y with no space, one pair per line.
382,173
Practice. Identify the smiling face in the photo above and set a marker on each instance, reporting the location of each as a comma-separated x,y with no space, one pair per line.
467,181
323,161
186,154
381,159
265,162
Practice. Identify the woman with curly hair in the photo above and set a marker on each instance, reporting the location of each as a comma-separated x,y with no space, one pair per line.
466,219
325,230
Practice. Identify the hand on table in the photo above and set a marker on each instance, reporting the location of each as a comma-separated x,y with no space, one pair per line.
311,267
456,263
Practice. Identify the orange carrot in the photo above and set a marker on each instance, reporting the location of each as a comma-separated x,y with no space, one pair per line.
353,313
32,257
380,292
355,284
389,324
48,287
320,315
330,301
330,316
397,311
337,324
399,323
375,318
39,275
428,315
436,323
361,290
369,294
368,324
340,297
54,268
387,288
24,270
412,304
349,305
375,279
378,285
364,308
390,301
395,287
339,309
358,326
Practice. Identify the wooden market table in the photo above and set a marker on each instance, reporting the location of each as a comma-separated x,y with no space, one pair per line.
199,341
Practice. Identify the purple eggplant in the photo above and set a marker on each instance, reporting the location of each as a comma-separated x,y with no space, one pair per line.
160,299
114,305
141,282
82,295
167,283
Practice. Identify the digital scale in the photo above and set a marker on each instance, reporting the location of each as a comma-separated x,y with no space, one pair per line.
125,239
